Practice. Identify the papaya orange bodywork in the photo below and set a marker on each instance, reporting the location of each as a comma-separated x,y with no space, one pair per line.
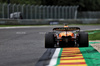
66,34
65,26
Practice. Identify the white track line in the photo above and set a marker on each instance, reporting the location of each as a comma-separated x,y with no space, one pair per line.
24,27
54,58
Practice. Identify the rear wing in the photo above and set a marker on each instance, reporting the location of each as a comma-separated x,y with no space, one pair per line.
66,29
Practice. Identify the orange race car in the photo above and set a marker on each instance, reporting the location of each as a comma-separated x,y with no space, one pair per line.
66,37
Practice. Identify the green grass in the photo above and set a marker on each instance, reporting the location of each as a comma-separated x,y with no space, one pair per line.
94,34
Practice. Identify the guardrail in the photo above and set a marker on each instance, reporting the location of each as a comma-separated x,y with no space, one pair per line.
47,21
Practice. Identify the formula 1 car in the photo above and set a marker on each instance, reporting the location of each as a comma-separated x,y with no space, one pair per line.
66,37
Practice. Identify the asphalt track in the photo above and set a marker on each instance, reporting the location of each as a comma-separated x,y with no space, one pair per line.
25,46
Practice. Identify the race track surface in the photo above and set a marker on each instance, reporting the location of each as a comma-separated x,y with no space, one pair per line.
25,46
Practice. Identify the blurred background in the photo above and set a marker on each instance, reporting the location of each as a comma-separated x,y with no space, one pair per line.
49,11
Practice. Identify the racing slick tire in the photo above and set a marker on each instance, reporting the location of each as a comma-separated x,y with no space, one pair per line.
49,40
83,39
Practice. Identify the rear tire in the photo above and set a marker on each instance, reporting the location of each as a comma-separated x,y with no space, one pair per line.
83,39
49,40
